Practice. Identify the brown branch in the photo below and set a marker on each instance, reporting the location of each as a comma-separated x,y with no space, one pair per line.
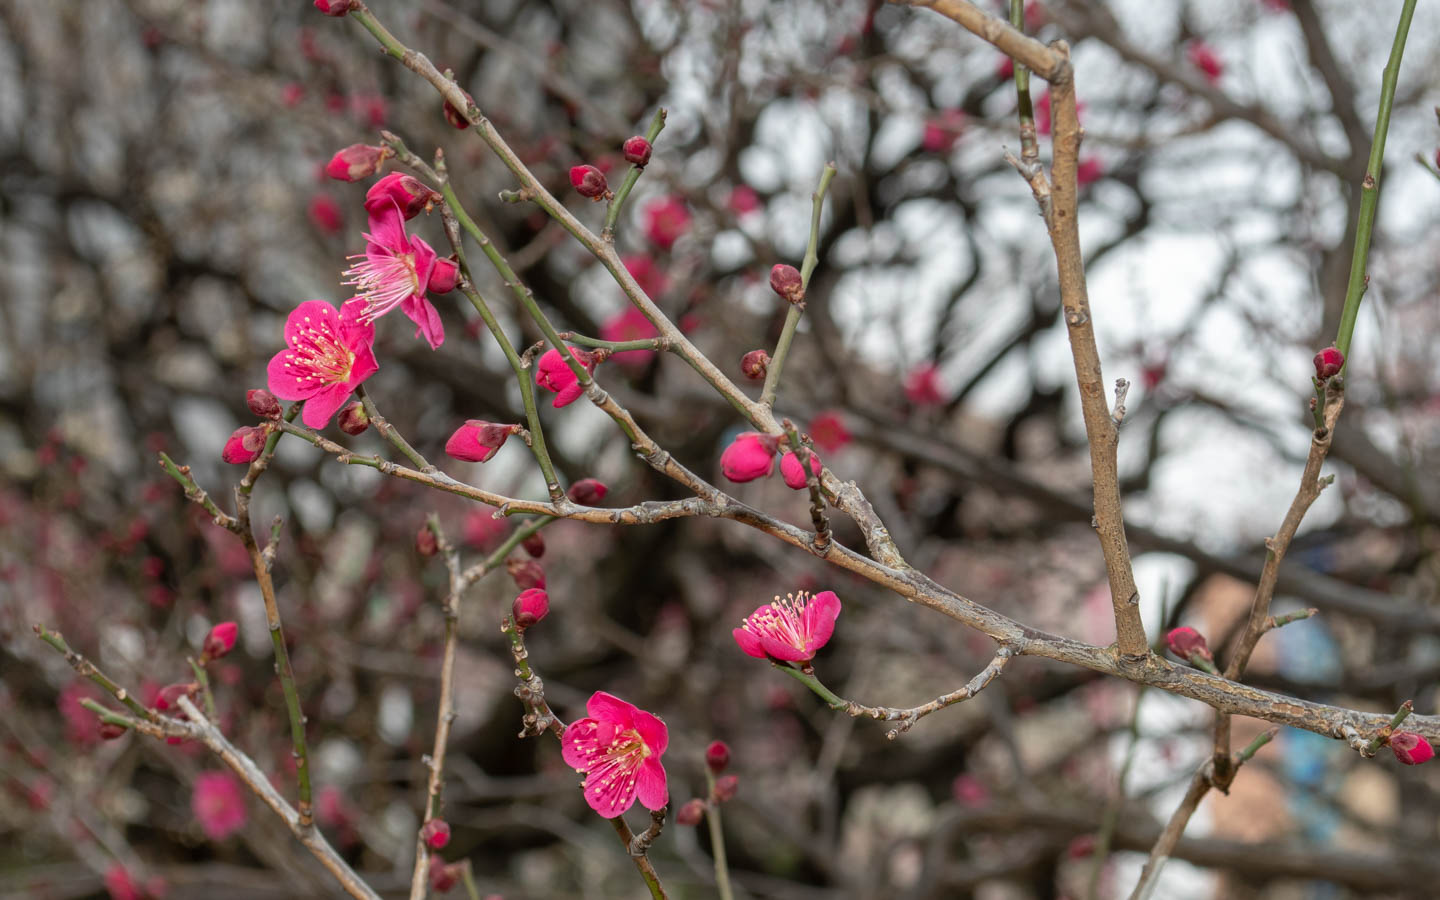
1043,60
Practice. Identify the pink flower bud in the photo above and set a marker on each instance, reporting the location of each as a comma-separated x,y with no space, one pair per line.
1410,748
725,788
749,456
477,440
553,373
755,364
110,731
443,276
1186,642
435,833
530,607
456,117
534,545
794,473
691,813
589,182
1328,363
785,280
220,640
637,151
717,756
169,696
334,7
263,403
527,573
405,191
828,431
244,445
443,876
588,491
355,162
353,419
425,542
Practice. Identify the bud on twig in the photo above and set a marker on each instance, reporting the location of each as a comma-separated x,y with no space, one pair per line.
530,607
691,813
717,756
245,445
110,731
589,181
353,419
725,788
755,364
637,151
1328,363
1410,748
436,834
334,7
785,280
526,572
220,640
356,161
1189,644
263,403
588,491
425,543
534,545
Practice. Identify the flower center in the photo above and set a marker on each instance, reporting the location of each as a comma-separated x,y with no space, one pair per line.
319,354
383,280
783,619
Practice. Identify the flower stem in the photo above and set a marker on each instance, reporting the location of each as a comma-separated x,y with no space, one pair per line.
388,431
642,862
612,213
717,840
91,671
792,318
833,700
1029,147
1370,186
204,681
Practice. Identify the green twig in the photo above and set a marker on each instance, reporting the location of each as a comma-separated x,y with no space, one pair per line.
792,317
612,213
1370,186
203,680
388,431
717,839
1383,736
1029,146
91,671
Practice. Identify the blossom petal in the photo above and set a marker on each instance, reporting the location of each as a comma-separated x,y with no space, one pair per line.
819,619
424,260
283,380
610,797
610,708
650,785
578,745
354,328
652,731
324,403
783,650
568,394
426,318
749,643
310,314
364,365
387,228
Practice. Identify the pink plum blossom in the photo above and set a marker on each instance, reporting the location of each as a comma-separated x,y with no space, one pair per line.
618,748
553,374
792,629
666,219
395,271
749,456
329,355
794,473
630,325
219,804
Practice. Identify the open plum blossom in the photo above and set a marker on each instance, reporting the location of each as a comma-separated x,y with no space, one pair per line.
219,804
792,629
395,271
329,355
618,748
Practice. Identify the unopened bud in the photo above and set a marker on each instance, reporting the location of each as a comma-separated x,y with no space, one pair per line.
717,756
110,731
691,813
353,419
755,364
589,181
588,491
1185,642
534,545
530,607
1329,362
725,788
785,280
456,117
425,543
637,151
436,834
1410,748
404,191
170,694
356,161
244,446
527,573
220,640
334,7
478,440
443,875
444,276
263,403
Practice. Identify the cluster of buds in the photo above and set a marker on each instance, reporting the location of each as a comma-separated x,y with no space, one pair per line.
722,789
752,455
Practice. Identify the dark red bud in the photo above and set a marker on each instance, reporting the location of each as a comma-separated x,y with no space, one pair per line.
456,117
436,834
691,813
1328,363
717,756
725,788
110,731
443,876
637,151
530,607
1186,642
526,572
220,640
534,545
334,7
755,364
785,280
425,543
263,403
588,491
353,419
589,182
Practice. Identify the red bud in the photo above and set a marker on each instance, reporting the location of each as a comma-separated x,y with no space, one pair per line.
263,404
691,813
436,834
1329,362
220,640
637,151
530,607
755,364
785,280
717,756
589,182
588,491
